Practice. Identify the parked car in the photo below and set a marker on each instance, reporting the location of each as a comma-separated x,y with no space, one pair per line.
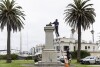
61,59
98,60
90,60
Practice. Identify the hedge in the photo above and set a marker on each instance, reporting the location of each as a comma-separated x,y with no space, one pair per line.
13,57
82,54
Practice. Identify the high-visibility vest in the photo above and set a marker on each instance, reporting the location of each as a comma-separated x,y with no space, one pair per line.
66,62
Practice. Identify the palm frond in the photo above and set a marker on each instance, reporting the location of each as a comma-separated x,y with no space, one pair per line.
11,14
80,12
87,6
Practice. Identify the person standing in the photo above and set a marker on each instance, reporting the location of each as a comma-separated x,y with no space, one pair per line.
68,54
56,24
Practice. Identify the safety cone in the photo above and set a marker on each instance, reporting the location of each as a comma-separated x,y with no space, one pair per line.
66,62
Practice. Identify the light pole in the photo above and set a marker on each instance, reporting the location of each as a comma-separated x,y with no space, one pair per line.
92,32
72,31
70,45
34,50
20,43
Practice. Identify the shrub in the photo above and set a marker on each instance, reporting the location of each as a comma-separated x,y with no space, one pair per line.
13,57
3,57
82,54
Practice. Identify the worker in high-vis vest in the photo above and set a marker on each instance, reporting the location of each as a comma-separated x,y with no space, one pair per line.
68,55
66,61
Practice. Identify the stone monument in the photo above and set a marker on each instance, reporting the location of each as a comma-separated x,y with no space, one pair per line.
49,54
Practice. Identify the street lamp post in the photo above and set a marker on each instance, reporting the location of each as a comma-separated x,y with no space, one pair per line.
72,31
33,52
92,32
20,43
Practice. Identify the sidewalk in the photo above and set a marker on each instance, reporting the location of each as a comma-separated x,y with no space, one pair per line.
32,65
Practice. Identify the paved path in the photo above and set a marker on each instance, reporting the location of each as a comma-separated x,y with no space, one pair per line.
32,65
95,65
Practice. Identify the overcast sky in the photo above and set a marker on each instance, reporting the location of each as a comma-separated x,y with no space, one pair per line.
38,14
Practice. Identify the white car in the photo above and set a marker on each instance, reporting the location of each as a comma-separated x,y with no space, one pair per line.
90,60
61,59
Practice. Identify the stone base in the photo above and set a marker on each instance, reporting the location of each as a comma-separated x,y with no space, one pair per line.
49,55
47,64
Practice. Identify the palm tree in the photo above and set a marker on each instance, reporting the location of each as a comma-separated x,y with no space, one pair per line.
10,16
79,14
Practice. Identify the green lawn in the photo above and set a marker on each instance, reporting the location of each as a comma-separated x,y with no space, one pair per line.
16,63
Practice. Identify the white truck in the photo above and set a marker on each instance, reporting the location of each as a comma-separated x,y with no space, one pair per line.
90,60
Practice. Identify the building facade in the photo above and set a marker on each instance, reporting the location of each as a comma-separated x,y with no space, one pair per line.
61,45
64,43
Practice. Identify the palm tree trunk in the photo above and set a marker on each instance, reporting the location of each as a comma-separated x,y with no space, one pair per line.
79,42
8,45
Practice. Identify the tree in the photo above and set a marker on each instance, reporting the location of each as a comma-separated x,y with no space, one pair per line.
79,14
10,16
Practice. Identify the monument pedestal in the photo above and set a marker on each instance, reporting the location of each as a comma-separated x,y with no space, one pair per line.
49,54
49,59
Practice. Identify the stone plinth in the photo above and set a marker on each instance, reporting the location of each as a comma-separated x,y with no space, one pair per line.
49,54
49,37
49,64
